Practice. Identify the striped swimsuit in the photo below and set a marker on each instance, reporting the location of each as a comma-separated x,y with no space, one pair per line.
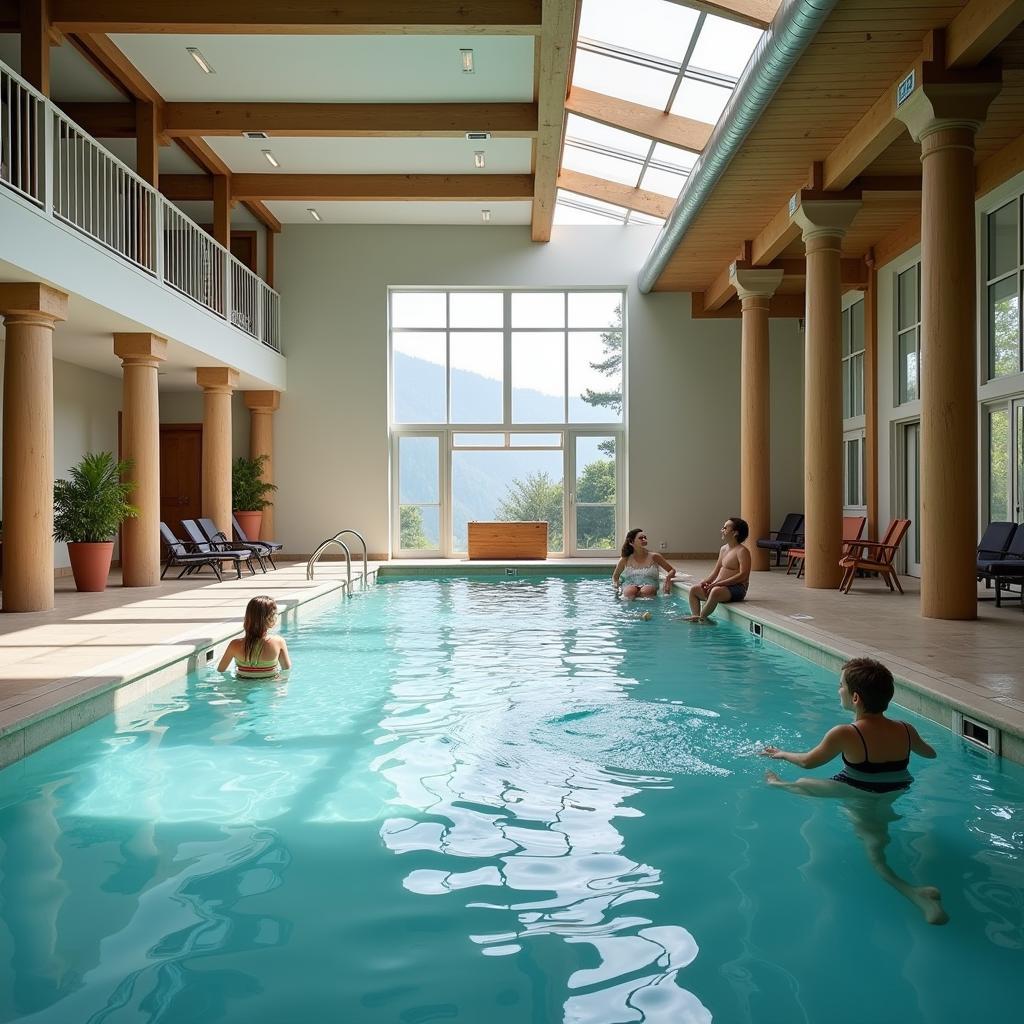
877,776
254,668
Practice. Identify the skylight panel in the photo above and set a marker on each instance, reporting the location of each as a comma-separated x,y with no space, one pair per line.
665,183
571,208
724,46
701,101
636,217
602,135
651,26
623,79
600,164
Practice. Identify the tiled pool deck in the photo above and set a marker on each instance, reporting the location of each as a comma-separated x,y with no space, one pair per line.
94,652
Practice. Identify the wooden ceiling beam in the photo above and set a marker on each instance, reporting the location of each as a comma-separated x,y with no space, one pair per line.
613,192
757,13
35,44
722,290
266,218
182,188
774,237
649,122
306,17
352,120
10,16
557,43
103,120
116,66
979,28
786,305
382,187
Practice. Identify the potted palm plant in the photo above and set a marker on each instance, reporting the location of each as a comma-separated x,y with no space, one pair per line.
88,510
249,494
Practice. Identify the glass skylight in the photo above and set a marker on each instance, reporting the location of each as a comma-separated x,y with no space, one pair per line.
660,54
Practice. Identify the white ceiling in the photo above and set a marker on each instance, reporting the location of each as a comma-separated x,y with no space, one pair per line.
336,69
373,156
517,212
72,77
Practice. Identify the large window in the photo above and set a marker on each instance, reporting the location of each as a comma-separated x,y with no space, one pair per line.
853,360
854,471
908,335
520,394
1003,272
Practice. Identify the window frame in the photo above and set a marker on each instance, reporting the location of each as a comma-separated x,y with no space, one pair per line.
988,281
898,333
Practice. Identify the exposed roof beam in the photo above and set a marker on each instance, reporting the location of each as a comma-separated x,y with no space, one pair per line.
775,236
342,17
612,192
649,122
103,120
853,274
758,13
979,28
270,222
784,305
318,120
383,187
556,50
117,67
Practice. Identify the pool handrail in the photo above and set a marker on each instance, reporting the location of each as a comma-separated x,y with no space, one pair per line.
315,557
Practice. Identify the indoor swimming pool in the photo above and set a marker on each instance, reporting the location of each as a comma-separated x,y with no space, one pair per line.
497,800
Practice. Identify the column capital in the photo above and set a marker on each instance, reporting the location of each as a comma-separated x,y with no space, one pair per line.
34,300
142,349
958,101
217,378
755,282
262,401
825,218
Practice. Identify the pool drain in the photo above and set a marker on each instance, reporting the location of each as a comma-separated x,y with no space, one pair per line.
975,732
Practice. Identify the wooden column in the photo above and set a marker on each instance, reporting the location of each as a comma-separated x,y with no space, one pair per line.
944,118
871,395
271,239
222,209
147,141
262,405
30,312
140,355
217,383
824,223
35,44
755,289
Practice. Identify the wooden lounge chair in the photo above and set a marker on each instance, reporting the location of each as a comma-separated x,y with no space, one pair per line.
180,554
853,527
789,535
209,528
268,546
222,552
875,556
1007,569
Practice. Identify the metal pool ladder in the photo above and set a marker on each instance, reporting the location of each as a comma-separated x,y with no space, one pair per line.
336,539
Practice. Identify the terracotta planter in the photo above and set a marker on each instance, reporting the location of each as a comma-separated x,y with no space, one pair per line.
90,564
251,523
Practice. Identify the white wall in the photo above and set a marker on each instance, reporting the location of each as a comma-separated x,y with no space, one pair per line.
331,440
187,407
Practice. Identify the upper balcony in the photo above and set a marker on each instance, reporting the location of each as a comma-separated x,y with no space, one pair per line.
66,176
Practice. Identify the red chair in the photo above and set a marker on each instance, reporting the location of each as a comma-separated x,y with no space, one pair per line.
875,556
853,527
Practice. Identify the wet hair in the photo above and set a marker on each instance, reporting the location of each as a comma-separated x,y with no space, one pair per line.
260,615
627,548
741,528
872,680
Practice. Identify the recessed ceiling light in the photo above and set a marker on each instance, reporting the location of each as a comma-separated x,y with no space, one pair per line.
271,159
255,135
467,61
485,216
480,158
316,216
193,52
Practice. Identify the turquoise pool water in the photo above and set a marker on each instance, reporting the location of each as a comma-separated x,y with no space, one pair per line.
497,801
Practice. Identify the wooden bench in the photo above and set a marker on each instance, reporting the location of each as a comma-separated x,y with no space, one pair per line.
508,540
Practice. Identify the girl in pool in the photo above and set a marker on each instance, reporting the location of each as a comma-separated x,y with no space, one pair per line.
876,755
637,571
257,655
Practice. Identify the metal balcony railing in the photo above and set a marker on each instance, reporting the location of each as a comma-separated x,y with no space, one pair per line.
50,161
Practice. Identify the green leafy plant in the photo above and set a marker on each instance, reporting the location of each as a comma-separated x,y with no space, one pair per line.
91,506
248,488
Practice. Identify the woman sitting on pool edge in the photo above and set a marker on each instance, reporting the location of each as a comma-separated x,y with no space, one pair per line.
876,755
257,655
638,568
728,580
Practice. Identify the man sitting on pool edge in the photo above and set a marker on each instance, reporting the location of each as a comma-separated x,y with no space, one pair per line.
728,580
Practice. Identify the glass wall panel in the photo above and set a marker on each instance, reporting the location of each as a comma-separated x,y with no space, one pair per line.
477,360
907,299
998,465
417,310
418,367
1004,327
476,309
595,376
908,366
595,494
538,377
538,309
1003,250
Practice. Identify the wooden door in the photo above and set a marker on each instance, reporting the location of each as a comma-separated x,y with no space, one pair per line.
181,473
243,248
